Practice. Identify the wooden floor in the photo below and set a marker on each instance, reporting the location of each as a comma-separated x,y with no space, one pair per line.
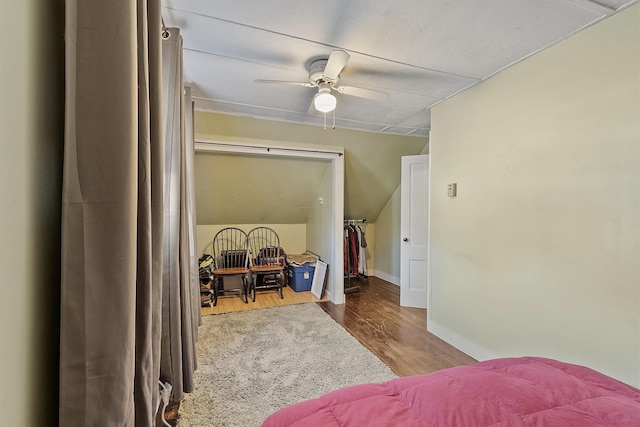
397,335
264,298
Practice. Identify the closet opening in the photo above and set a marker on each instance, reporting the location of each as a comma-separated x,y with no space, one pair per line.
324,206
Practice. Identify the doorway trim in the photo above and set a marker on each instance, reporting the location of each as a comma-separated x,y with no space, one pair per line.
329,153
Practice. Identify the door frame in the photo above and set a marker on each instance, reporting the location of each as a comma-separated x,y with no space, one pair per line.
335,155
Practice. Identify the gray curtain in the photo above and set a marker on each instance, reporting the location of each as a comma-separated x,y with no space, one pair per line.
114,206
181,312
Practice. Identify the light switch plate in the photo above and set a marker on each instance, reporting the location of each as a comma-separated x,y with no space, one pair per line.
452,190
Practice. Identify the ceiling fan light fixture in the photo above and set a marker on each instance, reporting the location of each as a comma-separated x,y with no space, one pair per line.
324,101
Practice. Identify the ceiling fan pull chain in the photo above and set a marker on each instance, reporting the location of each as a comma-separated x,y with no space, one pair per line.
334,118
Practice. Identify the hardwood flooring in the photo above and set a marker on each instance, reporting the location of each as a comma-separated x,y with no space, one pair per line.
264,298
397,335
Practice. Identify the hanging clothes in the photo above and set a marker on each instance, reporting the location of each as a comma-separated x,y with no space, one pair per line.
345,251
355,245
355,261
362,256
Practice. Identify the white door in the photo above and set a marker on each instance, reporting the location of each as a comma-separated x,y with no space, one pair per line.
414,231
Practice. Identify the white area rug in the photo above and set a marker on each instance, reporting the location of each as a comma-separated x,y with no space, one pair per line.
255,362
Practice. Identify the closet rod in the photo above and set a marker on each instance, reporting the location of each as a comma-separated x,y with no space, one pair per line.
354,221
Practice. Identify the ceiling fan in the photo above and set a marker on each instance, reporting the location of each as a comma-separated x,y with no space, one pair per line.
324,74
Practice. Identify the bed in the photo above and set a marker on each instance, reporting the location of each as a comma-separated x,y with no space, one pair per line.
528,391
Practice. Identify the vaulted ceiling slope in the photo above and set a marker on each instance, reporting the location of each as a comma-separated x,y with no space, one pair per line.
244,189
418,51
248,189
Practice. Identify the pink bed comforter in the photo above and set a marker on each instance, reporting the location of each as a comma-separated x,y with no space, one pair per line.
525,391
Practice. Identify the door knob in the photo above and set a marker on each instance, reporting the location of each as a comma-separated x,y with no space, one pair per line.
405,239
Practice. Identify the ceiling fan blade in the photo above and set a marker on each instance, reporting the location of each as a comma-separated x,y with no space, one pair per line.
336,62
285,82
363,93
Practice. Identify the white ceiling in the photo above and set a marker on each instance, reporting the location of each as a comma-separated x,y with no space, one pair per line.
418,51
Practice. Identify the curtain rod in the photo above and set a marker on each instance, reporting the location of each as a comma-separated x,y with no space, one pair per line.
165,33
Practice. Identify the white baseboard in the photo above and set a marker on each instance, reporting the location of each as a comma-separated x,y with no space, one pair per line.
387,277
330,295
463,344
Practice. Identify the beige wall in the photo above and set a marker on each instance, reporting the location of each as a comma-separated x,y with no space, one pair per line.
372,164
538,254
386,257
370,167
387,241
293,237
320,223
320,218
31,121
255,188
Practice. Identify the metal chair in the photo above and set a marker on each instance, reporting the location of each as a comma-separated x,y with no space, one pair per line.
267,260
231,258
